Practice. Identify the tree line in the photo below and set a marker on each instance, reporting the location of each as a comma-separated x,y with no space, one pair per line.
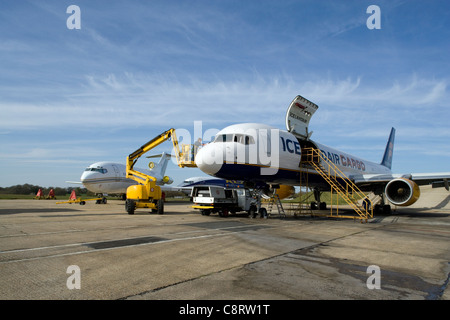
30,189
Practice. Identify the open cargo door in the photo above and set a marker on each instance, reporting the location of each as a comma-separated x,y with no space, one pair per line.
298,116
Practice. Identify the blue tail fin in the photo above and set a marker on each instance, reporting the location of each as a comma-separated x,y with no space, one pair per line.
389,151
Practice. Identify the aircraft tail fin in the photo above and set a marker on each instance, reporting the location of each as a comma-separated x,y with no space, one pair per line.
389,151
161,166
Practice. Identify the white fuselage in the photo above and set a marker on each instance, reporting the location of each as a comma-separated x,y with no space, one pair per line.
110,177
257,152
106,177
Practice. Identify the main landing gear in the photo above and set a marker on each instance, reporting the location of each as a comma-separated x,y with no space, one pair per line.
317,205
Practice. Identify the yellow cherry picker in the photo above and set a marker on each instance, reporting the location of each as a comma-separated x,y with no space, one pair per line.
147,194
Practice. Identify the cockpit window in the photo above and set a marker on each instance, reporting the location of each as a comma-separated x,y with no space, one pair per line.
101,170
240,138
224,138
244,139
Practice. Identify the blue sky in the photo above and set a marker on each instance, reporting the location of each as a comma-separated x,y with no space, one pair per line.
69,98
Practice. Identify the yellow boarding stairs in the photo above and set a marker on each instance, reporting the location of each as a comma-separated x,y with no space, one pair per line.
339,183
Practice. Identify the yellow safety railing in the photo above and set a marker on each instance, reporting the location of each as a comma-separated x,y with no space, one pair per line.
185,156
339,182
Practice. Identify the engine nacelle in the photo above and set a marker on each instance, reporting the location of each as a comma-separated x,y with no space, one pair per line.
167,180
283,191
402,192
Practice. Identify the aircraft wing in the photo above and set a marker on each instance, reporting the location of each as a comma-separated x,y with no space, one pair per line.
439,179
182,189
74,182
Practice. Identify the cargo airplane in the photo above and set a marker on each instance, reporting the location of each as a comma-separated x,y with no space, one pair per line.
266,157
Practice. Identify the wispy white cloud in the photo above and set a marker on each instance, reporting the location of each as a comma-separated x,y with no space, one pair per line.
139,99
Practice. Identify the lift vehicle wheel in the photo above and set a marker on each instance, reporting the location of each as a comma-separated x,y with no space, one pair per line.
161,206
156,204
130,206
205,212
82,203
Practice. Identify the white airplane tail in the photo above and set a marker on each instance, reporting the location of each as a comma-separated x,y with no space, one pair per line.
159,169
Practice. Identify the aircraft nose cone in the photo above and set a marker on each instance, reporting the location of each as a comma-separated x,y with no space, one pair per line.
84,177
88,175
209,159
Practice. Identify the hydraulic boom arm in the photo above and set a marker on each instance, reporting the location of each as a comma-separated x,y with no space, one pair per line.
133,157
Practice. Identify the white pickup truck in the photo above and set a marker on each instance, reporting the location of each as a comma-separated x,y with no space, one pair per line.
215,199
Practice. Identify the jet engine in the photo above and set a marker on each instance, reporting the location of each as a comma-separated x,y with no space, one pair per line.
402,192
167,180
283,191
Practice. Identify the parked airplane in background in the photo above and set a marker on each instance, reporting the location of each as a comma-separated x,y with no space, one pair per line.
265,156
110,178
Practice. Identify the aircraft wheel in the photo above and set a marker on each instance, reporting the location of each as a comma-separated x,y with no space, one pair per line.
130,206
314,205
377,209
323,206
366,204
387,209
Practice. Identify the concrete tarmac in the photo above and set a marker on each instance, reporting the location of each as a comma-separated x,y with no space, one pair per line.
184,255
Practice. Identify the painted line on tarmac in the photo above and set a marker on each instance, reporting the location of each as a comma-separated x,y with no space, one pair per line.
92,245
120,247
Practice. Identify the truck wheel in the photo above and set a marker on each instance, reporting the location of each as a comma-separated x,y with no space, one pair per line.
263,213
252,212
205,212
130,206
161,206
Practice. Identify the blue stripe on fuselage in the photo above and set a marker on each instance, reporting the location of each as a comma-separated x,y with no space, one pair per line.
252,173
